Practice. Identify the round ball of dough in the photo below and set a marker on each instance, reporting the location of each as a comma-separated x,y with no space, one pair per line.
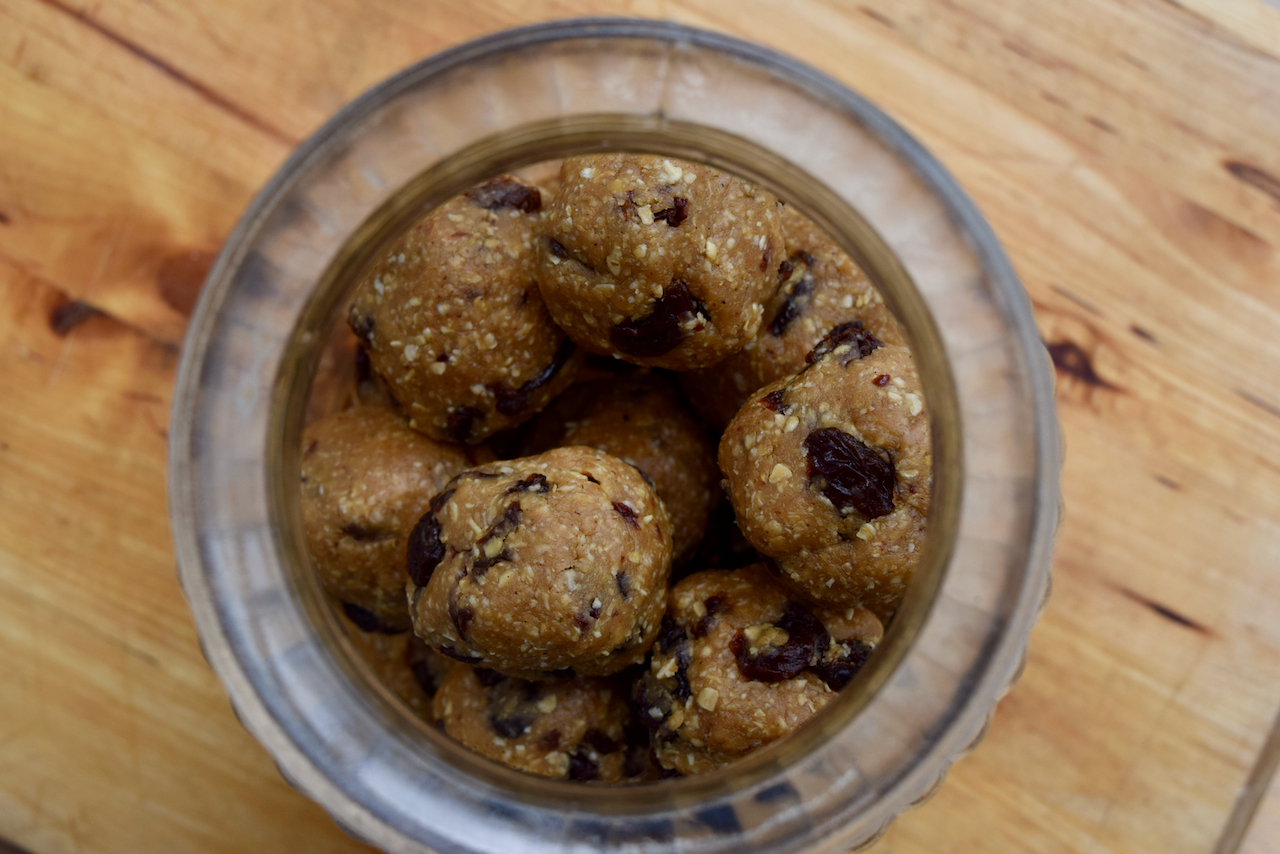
554,562
819,288
452,320
661,262
571,729
642,421
367,478
739,663
829,472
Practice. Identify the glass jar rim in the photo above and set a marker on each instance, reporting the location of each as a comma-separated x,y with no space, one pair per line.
227,419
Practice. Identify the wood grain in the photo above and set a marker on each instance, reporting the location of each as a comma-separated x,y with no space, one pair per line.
1126,152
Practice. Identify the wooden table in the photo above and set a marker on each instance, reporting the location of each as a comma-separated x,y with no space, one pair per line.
1126,153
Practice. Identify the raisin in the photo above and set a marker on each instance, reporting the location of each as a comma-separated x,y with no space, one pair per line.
624,585
510,402
513,707
426,549
506,192
784,272
628,515
549,741
670,635
792,306
600,742
840,672
557,248
486,677
714,605
683,691
882,380
442,498
766,258
533,483
461,619
367,621
361,534
674,215
363,325
424,676
848,473
461,421
310,448
861,343
773,401
582,767
805,638
660,331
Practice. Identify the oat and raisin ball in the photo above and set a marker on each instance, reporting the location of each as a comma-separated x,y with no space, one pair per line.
406,665
642,421
740,662
819,288
367,477
579,728
452,320
829,471
558,561
662,262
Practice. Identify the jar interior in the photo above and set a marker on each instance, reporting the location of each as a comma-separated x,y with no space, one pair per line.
317,346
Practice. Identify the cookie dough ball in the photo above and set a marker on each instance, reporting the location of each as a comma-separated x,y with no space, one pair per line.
410,668
553,562
451,317
573,729
829,471
642,421
819,288
367,478
662,262
740,663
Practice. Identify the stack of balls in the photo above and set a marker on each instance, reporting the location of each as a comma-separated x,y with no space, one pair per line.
520,511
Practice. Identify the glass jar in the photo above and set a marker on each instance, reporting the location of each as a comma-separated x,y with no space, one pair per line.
280,285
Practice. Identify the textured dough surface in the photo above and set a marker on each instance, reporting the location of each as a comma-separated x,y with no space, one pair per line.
452,320
662,262
642,421
546,563
819,288
573,729
704,707
367,477
835,555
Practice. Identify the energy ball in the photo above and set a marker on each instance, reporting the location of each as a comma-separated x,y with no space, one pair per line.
554,562
829,471
740,663
662,262
367,478
819,288
410,668
574,729
452,320
642,421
